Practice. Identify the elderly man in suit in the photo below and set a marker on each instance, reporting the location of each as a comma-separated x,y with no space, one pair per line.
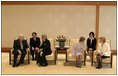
20,47
45,49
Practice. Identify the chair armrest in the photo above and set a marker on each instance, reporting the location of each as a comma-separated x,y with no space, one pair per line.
11,51
95,52
114,52
83,52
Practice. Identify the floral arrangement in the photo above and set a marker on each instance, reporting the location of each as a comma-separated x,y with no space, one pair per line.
61,38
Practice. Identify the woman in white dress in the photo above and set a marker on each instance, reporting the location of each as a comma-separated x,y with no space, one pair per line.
103,51
78,51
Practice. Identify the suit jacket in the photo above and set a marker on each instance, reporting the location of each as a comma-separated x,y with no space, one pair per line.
46,47
35,43
91,45
17,45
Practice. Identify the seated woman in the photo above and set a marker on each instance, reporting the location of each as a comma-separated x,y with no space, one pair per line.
34,45
103,51
91,44
78,51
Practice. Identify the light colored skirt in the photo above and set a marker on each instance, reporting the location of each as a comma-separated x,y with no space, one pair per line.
77,54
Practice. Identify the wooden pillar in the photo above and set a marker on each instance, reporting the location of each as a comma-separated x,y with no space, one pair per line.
97,21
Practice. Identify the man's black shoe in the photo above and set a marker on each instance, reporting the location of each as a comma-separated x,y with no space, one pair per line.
13,65
18,64
98,67
44,64
32,58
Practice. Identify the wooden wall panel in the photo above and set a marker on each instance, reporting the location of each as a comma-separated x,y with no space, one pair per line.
59,3
97,21
5,49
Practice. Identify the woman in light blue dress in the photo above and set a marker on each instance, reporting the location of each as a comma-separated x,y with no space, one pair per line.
78,51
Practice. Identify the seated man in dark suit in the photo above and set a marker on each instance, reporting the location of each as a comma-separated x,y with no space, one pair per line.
34,44
45,49
20,47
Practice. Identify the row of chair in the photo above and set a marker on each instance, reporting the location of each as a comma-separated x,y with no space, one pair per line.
70,58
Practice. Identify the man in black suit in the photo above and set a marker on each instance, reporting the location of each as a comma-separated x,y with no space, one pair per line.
20,47
45,49
34,44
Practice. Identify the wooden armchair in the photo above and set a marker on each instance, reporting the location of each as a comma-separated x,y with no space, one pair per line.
70,58
108,60
11,58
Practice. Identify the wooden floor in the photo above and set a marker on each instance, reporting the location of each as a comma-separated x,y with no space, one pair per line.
55,69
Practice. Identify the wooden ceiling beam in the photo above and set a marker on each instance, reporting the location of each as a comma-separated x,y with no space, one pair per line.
106,3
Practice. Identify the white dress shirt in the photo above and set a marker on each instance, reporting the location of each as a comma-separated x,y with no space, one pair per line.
91,40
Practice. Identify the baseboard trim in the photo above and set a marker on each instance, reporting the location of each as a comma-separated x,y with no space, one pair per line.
5,49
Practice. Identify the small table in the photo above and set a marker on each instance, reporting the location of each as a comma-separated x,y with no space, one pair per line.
59,50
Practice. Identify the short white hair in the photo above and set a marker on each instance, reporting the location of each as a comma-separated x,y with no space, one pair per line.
44,35
21,35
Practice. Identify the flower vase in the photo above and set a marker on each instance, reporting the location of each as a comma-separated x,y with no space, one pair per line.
61,44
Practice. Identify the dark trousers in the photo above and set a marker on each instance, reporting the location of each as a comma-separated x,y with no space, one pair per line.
99,59
16,53
32,53
42,59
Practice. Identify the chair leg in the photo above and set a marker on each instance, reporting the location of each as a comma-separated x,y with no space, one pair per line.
84,58
28,58
111,60
28,61
10,57
36,57
92,59
66,56
55,57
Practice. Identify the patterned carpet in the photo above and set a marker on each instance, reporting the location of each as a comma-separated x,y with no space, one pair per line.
59,68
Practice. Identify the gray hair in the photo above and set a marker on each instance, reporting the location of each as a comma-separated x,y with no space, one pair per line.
44,35
81,38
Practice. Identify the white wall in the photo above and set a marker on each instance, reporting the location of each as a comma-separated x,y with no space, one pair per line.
108,24
72,21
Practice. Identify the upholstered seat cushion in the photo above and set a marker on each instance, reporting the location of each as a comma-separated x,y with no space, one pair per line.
26,57
51,57
71,58
105,60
